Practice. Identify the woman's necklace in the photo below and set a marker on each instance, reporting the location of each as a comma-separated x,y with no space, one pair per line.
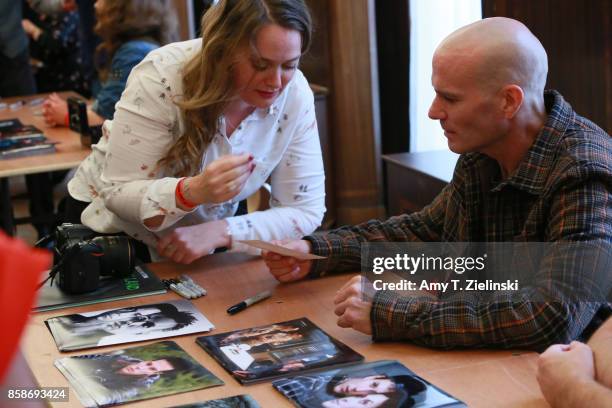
231,125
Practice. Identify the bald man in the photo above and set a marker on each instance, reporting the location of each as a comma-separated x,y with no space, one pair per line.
530,169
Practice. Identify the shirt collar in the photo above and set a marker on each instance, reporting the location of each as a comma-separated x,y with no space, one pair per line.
533,171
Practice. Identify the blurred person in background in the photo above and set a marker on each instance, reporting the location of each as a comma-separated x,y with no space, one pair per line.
15,73
16,77
87,38
129,30
55,43
53,29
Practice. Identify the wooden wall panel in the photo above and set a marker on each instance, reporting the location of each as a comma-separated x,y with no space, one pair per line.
316,64
577,38
354,105
183,10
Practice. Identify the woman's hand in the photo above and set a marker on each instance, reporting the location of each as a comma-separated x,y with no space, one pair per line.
186,244
55,110
221,181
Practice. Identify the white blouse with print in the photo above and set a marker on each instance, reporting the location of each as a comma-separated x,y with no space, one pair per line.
120,179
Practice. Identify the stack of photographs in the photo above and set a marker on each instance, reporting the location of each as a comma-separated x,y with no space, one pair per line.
276,350
237,401
377,384
134,374
125,325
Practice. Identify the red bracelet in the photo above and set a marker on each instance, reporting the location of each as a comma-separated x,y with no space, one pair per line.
67,119
180,197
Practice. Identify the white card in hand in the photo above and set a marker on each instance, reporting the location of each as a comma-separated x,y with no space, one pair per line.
277,249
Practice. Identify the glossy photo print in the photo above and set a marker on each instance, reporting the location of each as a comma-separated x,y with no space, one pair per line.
381,384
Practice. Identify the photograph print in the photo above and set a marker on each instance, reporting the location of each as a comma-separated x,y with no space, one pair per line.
381,384
237,401
276,350
134,374
128,324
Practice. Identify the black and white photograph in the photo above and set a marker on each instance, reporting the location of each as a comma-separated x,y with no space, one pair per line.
125,325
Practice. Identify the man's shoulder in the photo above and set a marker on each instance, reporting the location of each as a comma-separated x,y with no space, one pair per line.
586,147
577,144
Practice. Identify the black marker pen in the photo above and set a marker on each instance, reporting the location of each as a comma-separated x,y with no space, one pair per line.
248,302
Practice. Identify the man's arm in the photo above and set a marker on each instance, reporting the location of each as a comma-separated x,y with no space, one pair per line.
566,375
342,246
601,344
571,289
591,394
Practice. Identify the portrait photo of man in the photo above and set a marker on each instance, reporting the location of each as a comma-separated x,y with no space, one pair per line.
127,324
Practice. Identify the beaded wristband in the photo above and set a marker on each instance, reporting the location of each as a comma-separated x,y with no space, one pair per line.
180,197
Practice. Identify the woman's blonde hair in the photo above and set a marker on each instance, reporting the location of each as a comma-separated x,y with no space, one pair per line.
207,77
125,20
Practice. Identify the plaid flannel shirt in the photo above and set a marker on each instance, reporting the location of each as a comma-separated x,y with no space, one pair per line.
561,191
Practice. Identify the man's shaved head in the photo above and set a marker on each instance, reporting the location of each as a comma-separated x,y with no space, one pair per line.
499,51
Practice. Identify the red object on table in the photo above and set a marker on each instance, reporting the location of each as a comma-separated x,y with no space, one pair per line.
20,273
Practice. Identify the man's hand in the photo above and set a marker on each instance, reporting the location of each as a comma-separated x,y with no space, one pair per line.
353,306
287,268
186,244
55,110
221,181
561,368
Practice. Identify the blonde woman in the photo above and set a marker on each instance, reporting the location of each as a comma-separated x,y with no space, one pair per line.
202,125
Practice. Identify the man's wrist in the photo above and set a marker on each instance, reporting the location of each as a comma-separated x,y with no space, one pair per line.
382,301
572,393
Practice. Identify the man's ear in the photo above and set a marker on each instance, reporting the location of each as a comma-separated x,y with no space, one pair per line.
512,100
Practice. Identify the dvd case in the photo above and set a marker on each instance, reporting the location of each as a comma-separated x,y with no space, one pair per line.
272,351
381,384
134,374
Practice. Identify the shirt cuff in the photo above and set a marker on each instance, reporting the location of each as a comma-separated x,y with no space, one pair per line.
238,228
162,192
392,315
322,247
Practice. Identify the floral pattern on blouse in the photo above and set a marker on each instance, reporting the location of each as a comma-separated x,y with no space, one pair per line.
123,165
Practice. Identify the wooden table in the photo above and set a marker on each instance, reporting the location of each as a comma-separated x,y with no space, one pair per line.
481,378
69,151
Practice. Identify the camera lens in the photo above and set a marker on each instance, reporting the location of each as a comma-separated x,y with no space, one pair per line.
117,255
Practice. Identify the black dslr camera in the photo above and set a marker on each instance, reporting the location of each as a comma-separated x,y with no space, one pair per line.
77,119
83,257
